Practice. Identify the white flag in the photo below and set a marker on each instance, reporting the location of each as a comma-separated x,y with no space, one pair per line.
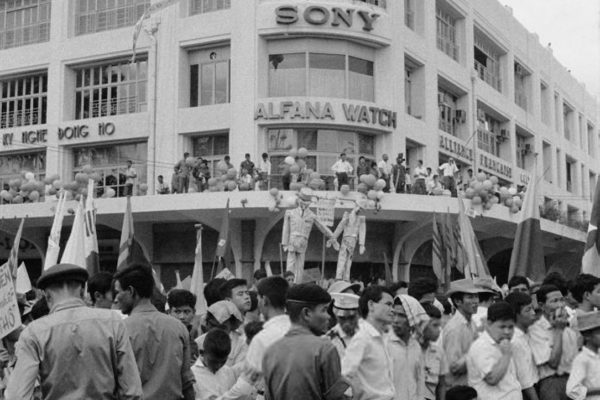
197,282
54,238
75,248
23,282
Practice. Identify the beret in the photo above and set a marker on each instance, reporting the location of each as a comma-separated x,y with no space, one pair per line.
62,273
308,293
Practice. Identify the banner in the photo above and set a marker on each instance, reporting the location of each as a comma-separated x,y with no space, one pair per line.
54,238
10,319
326,211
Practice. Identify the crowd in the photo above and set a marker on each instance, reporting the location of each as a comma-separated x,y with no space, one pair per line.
275,340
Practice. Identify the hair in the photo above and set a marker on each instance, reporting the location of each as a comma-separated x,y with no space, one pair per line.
247,155
253,300
252,328
288,273
361,158
158,299
40,309
160,176
274,288
227,288
138,277
259,274
342,154
555,278
227,158
371,293
461,393
432,310
100,282
484,297
446,304
212,293
181,298
394,287
265,155
420,161
217,343
543,292
518,280
421,286
582,284
500,311
518,300
458,296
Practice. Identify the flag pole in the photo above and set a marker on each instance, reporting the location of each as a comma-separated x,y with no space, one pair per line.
323,259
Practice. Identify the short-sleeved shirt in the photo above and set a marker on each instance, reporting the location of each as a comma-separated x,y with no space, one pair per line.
448,169
223,384
481,359
457,337
408,367
527,372
585,375
541,340
273,330
436,365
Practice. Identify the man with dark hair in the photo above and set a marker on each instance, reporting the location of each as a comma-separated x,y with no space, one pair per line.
434,359
423,289
586,291
553,343
182,305
212,291
236,291
519,283
367,363
257,276
161,343
76,352
100,289
342,170
557,279
248,165
527,373
303,364
460,331
183,176
490,365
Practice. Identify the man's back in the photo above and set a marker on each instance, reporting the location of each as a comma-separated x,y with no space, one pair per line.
79,353
162,352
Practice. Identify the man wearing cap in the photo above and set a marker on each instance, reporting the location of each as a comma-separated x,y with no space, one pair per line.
460,331
76,352
304,365
345,309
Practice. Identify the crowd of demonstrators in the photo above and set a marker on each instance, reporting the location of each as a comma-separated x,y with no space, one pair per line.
272,339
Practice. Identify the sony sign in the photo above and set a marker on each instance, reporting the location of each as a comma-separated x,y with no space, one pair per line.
320,15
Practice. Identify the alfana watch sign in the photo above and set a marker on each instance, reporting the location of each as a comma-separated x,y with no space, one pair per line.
321,15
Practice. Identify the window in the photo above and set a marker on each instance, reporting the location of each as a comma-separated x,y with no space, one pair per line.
568,122
380,3
23,101
102,15
592,185
569,171
521,75
489,134
408,88
447,107
545,102
409,14
24,22
522,151
209,77
487,63
327,75
12,165
591,143
446,34
204,6
110,162
211,148
111,89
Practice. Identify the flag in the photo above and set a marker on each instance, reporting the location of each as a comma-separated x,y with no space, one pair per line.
159,5
75,248
178,284
527,257
590,262
475,265
268,268
23,284
389,277
437,249
54,238
223,234
13,258
130,251
92,261
197,284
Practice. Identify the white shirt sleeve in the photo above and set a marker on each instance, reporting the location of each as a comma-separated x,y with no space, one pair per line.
576,390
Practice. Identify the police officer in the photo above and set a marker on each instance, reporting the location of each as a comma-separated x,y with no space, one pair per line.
345,309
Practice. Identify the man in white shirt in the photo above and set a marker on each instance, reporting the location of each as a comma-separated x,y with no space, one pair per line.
421,176
490,365
449,171
385,171
264,171
584,381
130,175
342,170
367,363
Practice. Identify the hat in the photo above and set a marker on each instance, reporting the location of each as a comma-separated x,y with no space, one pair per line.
341,286
305,194
344,304
309,293
467,286
223,310
589,320
488,283
62,273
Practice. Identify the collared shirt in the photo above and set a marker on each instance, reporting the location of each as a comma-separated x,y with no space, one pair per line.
457,337
368,365
340,339
342,166
421,173
481,359
480,318
436,365
273,330
302,366
385,167
161,345
78,353
131,174
585,375
248,166
541,341
222,385
265,167
408,367
527,372
449,169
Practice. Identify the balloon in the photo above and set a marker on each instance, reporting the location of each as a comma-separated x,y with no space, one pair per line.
52,191
223,178
370,180
362,188
481,177
363,177
512,191
447,193
29,176
144,187
517,202
476,201
87,169
494,180
48,180
110,192
473,184
438,191
3,194
478,187
231,173
274,192
294,169
371,203
9,197
231,185
82,177
212,181
28,186
34,196
379,184
345,189
301,163
69,194
272,209
17,199
302,152
292,153
380,195
57,184
514,209
295,186
504,193
315,175
508,202
95,176
289,160
487,184
488,206
245,186
494,200
372,195
469,193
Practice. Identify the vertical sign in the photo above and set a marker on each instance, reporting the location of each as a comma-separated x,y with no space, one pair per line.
10,319
325,211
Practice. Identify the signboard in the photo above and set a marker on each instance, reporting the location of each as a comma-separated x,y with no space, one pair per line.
494,164
10,319
321,15
325,211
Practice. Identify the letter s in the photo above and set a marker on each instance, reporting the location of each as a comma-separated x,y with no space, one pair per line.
286,15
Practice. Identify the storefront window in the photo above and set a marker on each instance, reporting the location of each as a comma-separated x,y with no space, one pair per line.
329,75
11,166
111,89
23,101
211,148
110,162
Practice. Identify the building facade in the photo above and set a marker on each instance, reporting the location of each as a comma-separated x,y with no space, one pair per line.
430,79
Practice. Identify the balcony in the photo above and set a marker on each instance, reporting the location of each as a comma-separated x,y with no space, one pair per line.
25,35
490,77
97,20
446,126
23,117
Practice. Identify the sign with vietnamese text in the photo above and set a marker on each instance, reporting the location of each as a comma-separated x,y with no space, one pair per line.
326,211
10,318
83,131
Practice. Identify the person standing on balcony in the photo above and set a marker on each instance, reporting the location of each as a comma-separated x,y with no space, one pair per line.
248,165
420,177
130,175
399,174
449,171
184,173
264,171
385,170
342,169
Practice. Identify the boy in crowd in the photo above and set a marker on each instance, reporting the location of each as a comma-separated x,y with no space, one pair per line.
490,366
586,291
436,365
584,381
519,283
527,373
423,289
225,315
182,305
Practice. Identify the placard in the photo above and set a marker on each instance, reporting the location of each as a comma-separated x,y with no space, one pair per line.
325,211
10,319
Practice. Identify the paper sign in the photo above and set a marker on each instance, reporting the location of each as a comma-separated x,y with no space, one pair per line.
10,319
225,274
325,211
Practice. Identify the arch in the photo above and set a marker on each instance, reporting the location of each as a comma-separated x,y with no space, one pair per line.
410,238
262,228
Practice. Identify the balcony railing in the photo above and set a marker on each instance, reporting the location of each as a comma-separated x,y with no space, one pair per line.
488,76
25,35
20,118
